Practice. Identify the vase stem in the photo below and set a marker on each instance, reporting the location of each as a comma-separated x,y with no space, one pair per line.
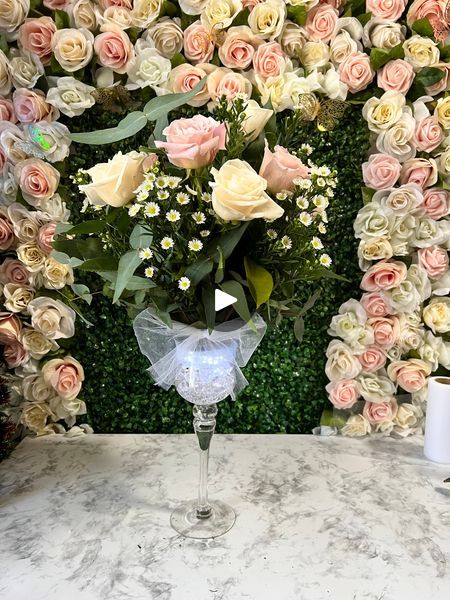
204,426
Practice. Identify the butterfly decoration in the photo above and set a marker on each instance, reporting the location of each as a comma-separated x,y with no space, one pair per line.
36,145
330,113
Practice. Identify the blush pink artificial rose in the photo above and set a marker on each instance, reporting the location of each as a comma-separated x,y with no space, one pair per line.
421,171
426,9
10,327
396,75
45,237
198,43
30,106
280,169
321,23
6,232
410,374
239,47
372,359
37,179
193,143
436,202
7,111
185,77
228,83
381,171
434,260
375,305
64,375
14,271
120,3
384,275
35,36
380,412
343,394
385,330
15,355
428,134
269,60
356,71
389,10
57,4
114,48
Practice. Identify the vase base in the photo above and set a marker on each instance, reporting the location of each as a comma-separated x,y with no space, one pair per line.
185,521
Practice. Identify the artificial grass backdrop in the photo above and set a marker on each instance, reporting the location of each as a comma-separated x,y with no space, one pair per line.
286,392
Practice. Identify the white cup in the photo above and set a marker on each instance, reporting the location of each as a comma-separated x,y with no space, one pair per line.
437,425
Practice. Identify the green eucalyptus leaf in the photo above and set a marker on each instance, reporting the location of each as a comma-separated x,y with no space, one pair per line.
136,283
161,105
102,263
128,264
82,291
93,226
199,270
299,328
141,237
129,126
260,281
65,259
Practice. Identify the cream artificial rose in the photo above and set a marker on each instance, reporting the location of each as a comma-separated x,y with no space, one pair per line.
70,96
5,75
342,46
17,297
375,388
147,68
256,119
114,182
382,113
167,36
292,39
373,221
375,249
35,389
220,13
26,69
73,48
52,318
383,34
35,343
31,256
193,7
239,194
442,112
34,417
421,52
146,12
267,19
12,14
437,315
56,275
407,419
67,409
83,15
356,426
403,200
342,362
398,140
314,55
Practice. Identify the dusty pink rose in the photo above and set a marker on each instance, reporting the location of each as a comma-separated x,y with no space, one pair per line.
30,106
228,83
372,359
356,72
14,271
238,48
389,10
442,85
10,327
385,330
436,202
251,3
45,237
185,77
421,171
114,48
396,75
120,3
333,3
7,111
384,275
280,169
381,171
6,232
35,36
426,9
193,143
380,412
428,134
15,355
434,260
410,374
269,60
65,376
321,23
57,4
37,179
343,394
375,305
198,43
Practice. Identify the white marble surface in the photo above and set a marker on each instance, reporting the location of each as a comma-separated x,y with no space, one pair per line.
318,519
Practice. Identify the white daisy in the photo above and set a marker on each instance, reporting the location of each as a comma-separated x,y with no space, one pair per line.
184,283
205,232
145,253
206,197
286,242
321,182
321,227
141,196
167,243
272,234
173,216
307,149
281,196
149,272
305,219
183,198
316,243
195,245
134,209
173,182
325,260
302,203
321,202
152,209
161,182
199,217
162,194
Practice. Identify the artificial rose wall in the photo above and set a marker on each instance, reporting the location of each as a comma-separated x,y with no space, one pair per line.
62,56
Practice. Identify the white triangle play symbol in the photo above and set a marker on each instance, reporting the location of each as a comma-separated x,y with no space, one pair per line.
222,299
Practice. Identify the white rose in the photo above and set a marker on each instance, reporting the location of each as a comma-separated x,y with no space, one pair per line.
351,25
421,52
220,13
116,15
404,298
67,409
52,318
145,12
5,75
437,315
373,221
73,48
419,278
383,34
349,325
83,15
26,69
292,39
315,55
70,96
442,112
341,363
193,7
407,419
382,113
17,297
435,351
56,209
56,275
443,164
397,141
402,201
410,335
267,19
429,232
308,4
8,185
36,343
12,14
26,224
294,89
275,89
256,119
167,36
375,388
441,286
35,389
11,140
332,86
31,256
147,69
356,426
342,46
35,416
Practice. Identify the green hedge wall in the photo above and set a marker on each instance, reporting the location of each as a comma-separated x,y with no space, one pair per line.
286,392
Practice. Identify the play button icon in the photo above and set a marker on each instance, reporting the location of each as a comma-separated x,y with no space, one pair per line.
222,300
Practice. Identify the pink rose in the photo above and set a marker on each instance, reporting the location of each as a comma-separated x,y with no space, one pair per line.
442,85
198,43
421,171
251,3
381,171
193,143
385,330
114,48
380,412
228,83
396,75
434,260
13,271
10,327
45,237
384,275
428,134
37,179
6,231
321,23
426,9
15,355
57,4
280,169
436,202
372,359
269,60
120,3
375,305
30,106
65,376
356,72
389,10
35,36
7,111
410,374
239,46
343,394
185,77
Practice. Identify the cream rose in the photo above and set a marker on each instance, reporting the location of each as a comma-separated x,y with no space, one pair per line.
26,69
17,297
292,39
421,52
146,12
373,221
256,119
407,419
342,46
442,112
12,14
382,113
267,19
375,388
167,36
83,14
147,68
31,256
52,318
35,389
67,409
5,75
70,96
398,140
402,201
239,194
356,426
193,7
383,34
65,376
35,416
36,344
437,315
314,55
56,275
341,363
375,249
220,13
73,48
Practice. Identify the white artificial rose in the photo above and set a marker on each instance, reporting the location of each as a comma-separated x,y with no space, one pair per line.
220,13
11,140
419,278
351,25
410,335
116,15
73,48
12,14
403,200
349,325
26,224
114,182
193,7
407,419
255,120
17,297
375,388
56,275
31,256
35,343
275,90
373,221
341,363
295,87
442,112
83,14
429,232
356,426
56,209
332,86
441,286
26,69
443,164
5,75
292,39
315,55
70,96
52,318
35,417
421,52
382,113
167,36
145,12
147,69
397,141
35,389
308,4
342,46
67,409
56,137
8,185
437,315
404,297
435,351
402,234
380,33
267,19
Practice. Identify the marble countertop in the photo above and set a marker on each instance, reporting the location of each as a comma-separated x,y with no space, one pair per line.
317,519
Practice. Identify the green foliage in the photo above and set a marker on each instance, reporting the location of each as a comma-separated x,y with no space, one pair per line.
286,379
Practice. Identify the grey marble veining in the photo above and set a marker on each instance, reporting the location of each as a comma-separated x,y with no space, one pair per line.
318,519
